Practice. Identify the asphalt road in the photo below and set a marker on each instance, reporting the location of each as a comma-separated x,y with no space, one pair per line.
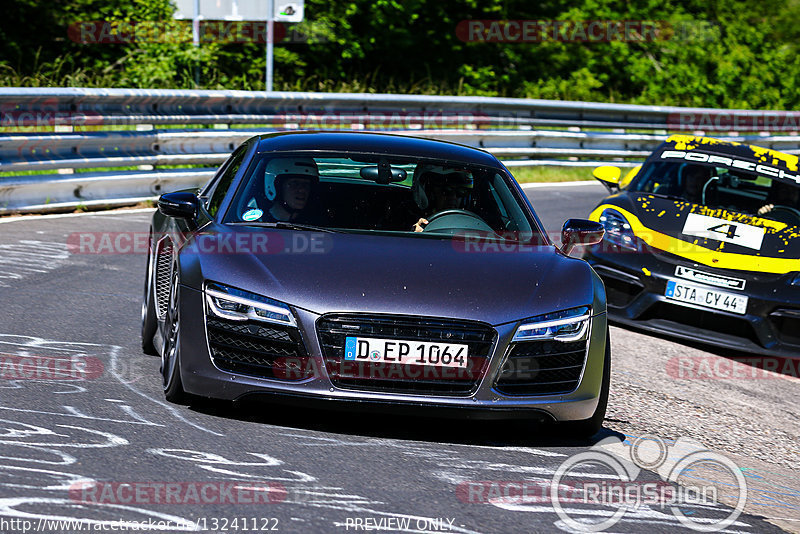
80,449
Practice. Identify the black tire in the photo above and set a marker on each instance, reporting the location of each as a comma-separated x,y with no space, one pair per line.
587,428
149,315
170,358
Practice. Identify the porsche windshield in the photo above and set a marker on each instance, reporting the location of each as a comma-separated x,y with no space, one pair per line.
722,188
379,194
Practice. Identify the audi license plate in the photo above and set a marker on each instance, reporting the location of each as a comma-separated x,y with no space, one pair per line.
366,349
708,298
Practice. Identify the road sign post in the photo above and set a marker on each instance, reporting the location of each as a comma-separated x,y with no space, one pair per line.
281,11
238,10
270,39
196,38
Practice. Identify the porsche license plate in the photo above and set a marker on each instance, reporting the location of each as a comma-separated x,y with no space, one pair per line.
708,298
404,352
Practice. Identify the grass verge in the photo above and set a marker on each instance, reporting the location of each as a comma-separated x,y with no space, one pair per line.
550,173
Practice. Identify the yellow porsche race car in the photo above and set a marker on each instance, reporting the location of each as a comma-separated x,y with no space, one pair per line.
702,243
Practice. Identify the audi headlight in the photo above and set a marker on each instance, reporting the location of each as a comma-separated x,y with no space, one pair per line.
567,325
796,280
618,230
235,304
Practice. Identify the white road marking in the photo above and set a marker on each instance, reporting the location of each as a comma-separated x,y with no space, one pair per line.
208,460
585,183
334,494
111,440
78,415
75,389
527,450
70,215
212,458
171,409
65,459
68,479
27,257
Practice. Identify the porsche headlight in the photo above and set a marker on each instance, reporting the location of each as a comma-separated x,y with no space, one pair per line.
235,304
567,325
796,280
618,230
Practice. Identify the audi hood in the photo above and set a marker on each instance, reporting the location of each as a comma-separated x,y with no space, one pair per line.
484,281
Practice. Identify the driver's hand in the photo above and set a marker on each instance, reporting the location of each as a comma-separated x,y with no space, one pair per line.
766,209
420,224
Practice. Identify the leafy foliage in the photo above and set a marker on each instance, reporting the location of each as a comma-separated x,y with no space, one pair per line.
736,54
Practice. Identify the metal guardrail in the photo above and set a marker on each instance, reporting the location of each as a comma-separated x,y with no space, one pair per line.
223,107
31,194
115,129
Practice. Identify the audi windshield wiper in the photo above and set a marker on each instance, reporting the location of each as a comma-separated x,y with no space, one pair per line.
285,225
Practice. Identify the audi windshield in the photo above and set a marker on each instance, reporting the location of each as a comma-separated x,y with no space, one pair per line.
365,193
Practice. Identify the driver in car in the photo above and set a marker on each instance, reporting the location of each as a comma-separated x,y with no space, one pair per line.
288,184
438,189
697,181
780,194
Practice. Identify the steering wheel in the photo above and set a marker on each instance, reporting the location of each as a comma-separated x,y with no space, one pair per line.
446,213
468,221
787,210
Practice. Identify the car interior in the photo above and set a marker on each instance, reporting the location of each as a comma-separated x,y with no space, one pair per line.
739,191
343,199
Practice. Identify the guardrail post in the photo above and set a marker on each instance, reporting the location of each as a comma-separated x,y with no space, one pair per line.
64,128
145,128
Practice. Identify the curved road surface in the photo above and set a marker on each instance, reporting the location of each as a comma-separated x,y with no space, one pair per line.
95,449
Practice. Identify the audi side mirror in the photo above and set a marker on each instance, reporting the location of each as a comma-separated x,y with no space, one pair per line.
580,232
181,205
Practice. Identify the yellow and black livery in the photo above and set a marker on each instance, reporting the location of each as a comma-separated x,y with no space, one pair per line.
703,243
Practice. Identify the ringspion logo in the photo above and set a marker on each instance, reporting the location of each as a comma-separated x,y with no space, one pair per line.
696,475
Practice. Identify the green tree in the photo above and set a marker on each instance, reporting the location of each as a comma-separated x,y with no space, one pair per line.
740,53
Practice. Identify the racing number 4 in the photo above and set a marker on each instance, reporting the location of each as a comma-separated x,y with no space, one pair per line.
730,232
